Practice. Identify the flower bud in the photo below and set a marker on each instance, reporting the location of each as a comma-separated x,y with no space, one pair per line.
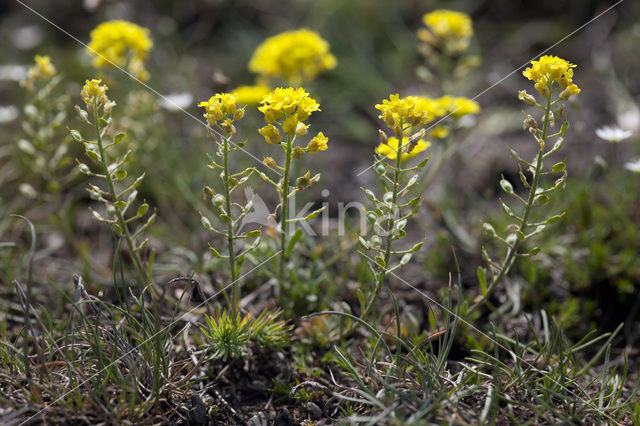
301,129
382,137
208,192
529,123
218,200
270,162
297,152
304,181
526,98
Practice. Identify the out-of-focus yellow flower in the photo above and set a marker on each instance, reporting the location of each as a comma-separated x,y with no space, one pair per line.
458,106
390,149
294,56
221,107
94,90
42,69
400,113
294,105
447,27
439,132
250,95
123,44
318,143
552,69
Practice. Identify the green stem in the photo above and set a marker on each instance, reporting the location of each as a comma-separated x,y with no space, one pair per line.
389,238
121,220
235,289
284,227
522,226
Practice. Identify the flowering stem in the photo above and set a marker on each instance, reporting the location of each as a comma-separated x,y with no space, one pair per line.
124,228
235,289
522,226
390,229
284,221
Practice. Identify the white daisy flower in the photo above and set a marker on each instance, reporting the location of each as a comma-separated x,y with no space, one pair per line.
176,101
613,134
8,113
634,166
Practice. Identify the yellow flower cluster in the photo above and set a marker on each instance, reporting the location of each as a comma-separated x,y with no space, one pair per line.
447,27
289,108
250,95
294,56
42,69
390,148
401,113
294,105
221,110
95,91
551,69
458,106
121,43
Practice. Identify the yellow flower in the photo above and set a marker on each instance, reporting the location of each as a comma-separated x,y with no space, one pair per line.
250,95
571,90
294,56
447,26
121,43
549,70
221,106
390,149
458,106
439,132
94,90
318,143
42,68
290,125
399,114
294,105
271,134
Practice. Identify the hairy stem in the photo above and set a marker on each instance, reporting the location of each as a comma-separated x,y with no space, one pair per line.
235,290
284,221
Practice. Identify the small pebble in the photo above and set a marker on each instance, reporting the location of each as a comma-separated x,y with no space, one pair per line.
198,411
259,419
315,411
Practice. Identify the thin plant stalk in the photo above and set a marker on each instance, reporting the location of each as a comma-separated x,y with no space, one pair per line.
121,220
235,289
524,222
284,221
387,249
